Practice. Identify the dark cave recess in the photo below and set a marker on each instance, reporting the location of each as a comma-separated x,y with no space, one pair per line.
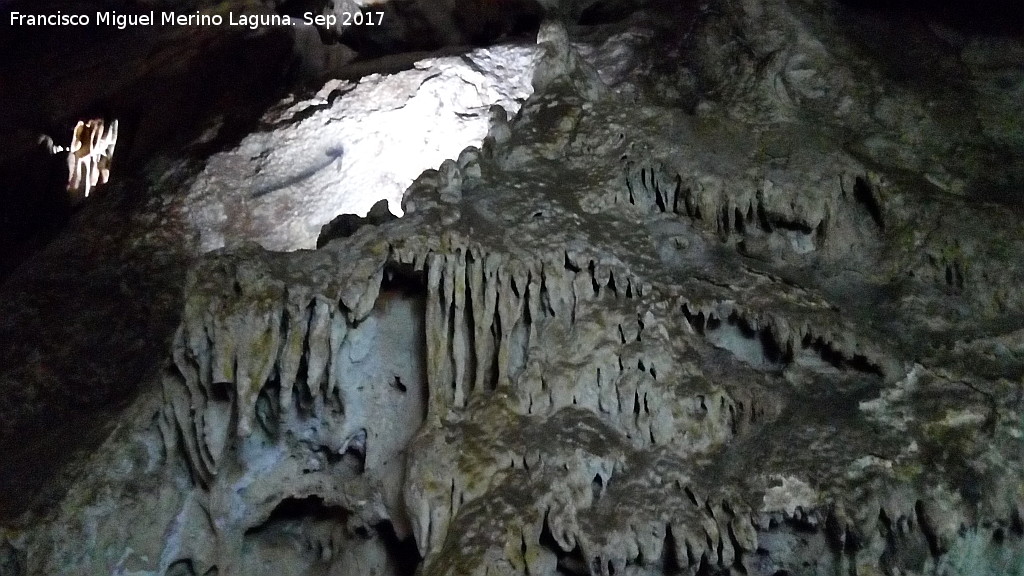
1000,17
415,25
148,80
403,554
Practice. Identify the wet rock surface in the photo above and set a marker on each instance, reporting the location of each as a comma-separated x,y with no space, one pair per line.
751,306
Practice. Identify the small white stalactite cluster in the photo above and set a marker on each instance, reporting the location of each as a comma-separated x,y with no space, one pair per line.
89,156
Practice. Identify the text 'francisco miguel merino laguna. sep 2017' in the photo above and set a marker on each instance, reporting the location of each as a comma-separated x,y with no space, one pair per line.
153,18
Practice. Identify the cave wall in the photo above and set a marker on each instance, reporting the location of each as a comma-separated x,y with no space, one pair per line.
700,324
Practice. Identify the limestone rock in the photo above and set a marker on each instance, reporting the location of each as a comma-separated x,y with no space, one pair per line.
346,225
619,338
279,186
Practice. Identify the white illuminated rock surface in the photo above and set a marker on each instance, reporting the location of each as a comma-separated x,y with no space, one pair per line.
362,143
687,317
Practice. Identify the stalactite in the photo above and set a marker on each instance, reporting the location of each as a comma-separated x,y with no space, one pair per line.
338,332
460,353
508,315
436,338
480,288
726,208
318,354
298,312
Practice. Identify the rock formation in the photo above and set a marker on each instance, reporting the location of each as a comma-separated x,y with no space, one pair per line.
351,145
90,155
744,312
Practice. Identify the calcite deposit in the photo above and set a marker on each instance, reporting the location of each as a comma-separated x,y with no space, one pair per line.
684,319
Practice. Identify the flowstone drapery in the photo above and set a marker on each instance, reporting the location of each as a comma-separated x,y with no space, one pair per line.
615,339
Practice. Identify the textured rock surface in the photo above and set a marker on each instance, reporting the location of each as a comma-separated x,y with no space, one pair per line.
279,186
83,322
428,24
696,318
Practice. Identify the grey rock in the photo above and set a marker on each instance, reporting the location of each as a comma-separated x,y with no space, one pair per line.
346,225
619,338
320,158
